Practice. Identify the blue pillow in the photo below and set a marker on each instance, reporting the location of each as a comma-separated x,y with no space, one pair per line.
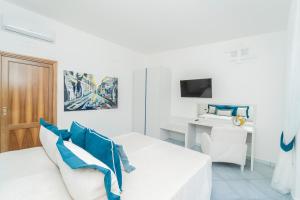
51,127
78,134
76,163
124,159
106,151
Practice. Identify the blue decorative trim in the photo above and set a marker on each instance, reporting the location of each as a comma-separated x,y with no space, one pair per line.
78,134
124,159
105,150
286,147
76,163
51,127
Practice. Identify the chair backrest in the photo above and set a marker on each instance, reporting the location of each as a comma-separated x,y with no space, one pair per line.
229,134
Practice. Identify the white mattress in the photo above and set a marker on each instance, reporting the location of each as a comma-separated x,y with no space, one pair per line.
164,172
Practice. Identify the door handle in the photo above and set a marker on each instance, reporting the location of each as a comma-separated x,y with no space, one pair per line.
4,111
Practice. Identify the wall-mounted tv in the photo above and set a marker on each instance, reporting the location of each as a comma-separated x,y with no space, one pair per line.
201,88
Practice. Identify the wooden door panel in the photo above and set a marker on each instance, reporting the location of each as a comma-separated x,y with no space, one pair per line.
27,92
24,138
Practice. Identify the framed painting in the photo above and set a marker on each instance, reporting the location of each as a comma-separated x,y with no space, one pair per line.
84,91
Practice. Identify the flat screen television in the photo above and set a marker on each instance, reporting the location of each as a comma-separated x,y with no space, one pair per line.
201,88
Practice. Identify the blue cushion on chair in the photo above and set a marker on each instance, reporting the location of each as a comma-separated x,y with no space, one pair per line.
78,134
106,151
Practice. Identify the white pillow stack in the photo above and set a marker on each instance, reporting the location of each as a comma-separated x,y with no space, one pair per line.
82,184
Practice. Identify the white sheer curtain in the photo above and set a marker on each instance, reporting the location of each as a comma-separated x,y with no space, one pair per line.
285,171
296,190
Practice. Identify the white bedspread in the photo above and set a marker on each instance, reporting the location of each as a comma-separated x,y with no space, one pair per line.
164,172
30,175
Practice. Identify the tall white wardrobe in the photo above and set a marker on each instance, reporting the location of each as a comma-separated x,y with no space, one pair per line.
151,100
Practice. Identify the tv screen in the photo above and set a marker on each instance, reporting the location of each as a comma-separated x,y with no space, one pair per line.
196,88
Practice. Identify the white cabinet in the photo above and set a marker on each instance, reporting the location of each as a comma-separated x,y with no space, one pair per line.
151,100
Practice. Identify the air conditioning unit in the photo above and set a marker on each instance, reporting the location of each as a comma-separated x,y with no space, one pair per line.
33,32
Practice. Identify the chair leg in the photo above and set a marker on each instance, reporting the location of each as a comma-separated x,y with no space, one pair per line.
242,168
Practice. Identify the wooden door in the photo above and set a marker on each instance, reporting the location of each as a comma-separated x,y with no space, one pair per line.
28,92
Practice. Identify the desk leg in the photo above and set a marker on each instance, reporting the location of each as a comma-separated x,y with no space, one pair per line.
164,134
252,150
190,137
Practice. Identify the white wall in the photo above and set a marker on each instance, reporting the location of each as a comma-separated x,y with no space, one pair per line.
257,79
79,51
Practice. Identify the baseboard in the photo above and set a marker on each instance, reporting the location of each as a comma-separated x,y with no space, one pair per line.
268,163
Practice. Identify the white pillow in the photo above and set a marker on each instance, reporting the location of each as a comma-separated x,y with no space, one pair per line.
242,112
226,112
212,109
84,183
48,140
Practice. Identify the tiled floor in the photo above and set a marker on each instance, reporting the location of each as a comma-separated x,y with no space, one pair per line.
229,183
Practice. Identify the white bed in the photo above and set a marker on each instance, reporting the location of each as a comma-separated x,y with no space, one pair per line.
30,175
163,172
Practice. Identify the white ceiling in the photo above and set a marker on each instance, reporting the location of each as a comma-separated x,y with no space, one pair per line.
156,25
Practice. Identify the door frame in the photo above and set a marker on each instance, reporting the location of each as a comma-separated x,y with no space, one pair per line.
33,59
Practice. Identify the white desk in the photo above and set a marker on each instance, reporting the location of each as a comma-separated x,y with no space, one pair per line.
206,124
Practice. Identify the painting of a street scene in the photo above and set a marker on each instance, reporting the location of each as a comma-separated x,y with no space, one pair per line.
84,91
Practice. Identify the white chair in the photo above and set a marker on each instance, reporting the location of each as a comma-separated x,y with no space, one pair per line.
226,144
